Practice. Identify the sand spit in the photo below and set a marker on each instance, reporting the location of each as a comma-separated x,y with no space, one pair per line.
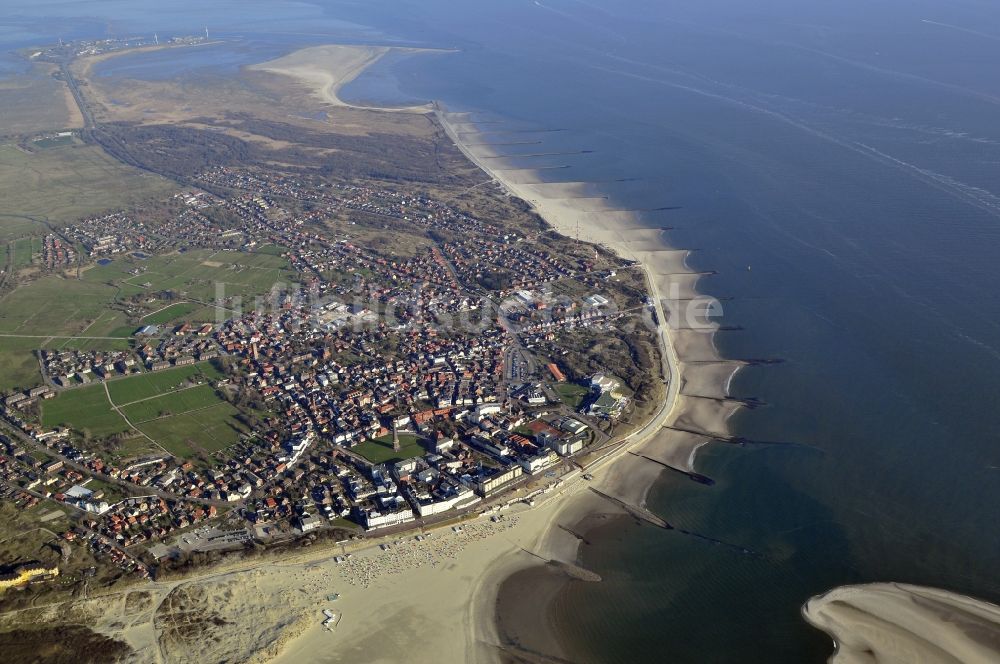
327,69
890,623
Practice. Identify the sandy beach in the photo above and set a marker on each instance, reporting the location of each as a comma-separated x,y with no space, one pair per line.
392,599
327,69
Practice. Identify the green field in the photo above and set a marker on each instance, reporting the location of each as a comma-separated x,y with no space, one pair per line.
64,183
12,227
379,450
199,275
24,249
59,307
152,384
134,448
57,312
122,343
172,313
571,394
198,432
18,365
191,421
18,370
174,403
272,249
84,409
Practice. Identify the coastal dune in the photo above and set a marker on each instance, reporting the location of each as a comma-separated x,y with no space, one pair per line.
891,623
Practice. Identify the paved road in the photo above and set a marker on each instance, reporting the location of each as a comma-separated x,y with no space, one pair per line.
671,374
88,117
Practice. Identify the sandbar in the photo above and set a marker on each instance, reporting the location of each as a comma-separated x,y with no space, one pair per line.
893,623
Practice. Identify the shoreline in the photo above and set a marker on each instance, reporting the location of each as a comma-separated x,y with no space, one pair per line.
628,477
884,621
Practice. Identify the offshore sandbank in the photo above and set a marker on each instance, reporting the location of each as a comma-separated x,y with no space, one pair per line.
893,623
